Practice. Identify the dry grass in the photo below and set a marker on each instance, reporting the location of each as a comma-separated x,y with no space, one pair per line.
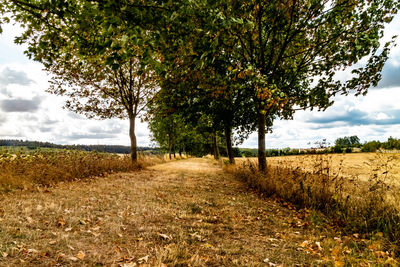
358,165
358,204
183,213
23,171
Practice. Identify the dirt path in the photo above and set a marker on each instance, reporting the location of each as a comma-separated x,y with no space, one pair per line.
183,213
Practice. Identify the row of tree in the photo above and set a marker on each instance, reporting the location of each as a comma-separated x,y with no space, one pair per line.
347,144
209,69
390,144
100,148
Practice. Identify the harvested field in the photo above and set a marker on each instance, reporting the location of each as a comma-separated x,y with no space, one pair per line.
354,165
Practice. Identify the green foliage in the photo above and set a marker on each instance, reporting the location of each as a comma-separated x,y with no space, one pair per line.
391,143
371,146
348,141
14,146
337,149
238,65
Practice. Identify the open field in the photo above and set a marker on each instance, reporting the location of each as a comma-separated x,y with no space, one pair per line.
182,213
358,191
352,165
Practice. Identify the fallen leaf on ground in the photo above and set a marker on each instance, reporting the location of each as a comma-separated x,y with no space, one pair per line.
339,263
164,236
206,245
72,258
32,250
335,252
117,249
305,244
29,219
81,255
144,259
61,222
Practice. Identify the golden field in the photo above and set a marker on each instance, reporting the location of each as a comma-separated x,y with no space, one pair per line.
354,165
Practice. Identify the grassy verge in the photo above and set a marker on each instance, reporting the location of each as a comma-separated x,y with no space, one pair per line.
19,171
355,205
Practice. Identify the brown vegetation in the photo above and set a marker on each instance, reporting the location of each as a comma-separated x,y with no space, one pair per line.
183,213
350,165
358,204
20,170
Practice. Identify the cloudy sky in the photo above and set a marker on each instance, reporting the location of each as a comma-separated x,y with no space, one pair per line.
27,112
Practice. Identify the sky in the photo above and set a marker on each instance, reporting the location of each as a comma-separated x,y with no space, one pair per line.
27,112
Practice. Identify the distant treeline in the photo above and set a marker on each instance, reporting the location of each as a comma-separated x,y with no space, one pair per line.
100,148
346,144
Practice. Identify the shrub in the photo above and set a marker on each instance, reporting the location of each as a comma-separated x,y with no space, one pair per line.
337,149
372,146
248,154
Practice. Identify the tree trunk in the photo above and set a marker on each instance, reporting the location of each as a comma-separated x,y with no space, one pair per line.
215,146
132,136
228,137
174,147
169,146
262,156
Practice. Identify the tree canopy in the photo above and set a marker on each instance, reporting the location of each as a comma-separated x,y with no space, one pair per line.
241,64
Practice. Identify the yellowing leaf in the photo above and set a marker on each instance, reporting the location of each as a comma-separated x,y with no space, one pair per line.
305,244
206,245
61,222
81,255
335,252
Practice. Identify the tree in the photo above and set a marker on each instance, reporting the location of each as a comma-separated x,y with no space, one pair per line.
371,146
170,131
286,53
99,91
212,94
289,52
348,141
103,77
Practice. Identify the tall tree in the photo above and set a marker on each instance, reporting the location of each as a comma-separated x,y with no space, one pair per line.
93,60
289,52
99,91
